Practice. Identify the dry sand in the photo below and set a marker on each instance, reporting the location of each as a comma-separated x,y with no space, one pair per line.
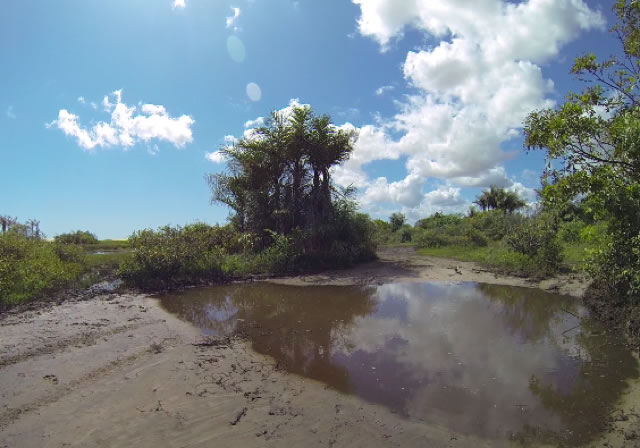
117,371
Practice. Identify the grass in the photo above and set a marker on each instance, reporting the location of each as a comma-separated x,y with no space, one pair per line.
108,245
106,260
498,257
576,255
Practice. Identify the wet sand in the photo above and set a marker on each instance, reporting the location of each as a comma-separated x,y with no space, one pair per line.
117,370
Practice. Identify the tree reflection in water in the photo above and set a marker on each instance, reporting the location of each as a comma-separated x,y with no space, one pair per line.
495,361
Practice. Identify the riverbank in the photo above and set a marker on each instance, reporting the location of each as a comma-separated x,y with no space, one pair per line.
404,264
118,370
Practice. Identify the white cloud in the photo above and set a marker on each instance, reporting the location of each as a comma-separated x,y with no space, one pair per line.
495,176
106,104
254,123
10,113
526,193
93,105
127,127
231,20
407,192
215,157
81,100
383,89
473,89
179,4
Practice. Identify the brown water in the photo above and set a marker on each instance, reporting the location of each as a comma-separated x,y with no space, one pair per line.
495,361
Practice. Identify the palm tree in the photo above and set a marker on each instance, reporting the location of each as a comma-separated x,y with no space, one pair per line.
500,199
482,201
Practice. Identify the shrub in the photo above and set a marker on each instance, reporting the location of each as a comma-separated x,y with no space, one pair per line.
429,238
477,239
438,220
347,238
77,237
174,256
570,232
30,267
537,239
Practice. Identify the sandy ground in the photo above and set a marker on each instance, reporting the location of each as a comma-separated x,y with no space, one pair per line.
117,371
402,264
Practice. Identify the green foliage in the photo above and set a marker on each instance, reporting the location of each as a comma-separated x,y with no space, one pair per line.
592,142
510,242
571,231
438,221
174,256
77,237
279,178
499,199
31,267
397,220
537,239
285,208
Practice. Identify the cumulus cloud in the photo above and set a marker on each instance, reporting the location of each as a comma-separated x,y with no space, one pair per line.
472,90
254,123
215,157
179,4
128,126
231,20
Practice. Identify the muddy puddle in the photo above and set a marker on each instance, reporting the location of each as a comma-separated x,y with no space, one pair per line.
491,361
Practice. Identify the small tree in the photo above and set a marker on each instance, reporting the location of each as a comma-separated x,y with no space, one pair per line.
397,220
594,141
500,199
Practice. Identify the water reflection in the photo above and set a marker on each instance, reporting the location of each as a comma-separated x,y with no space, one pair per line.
500,362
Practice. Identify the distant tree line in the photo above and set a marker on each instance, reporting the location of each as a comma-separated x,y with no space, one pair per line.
30,228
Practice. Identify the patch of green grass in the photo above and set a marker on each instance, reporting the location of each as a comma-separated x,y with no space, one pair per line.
111,245
111,259
577,254
499,257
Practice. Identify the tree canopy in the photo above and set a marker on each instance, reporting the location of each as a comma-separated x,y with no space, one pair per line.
592,143
279,176
397,220
501,199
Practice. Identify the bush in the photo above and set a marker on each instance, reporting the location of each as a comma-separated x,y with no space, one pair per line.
30,267
429,238
477,239
536,238
77,237
174,256
570,232
495,224
347,238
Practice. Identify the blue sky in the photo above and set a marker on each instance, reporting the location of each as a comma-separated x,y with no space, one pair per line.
437,90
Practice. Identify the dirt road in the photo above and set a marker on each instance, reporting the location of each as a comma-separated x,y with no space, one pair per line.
117,370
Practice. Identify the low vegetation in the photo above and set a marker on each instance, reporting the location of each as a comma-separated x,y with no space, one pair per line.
31,266
78,237
532,245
